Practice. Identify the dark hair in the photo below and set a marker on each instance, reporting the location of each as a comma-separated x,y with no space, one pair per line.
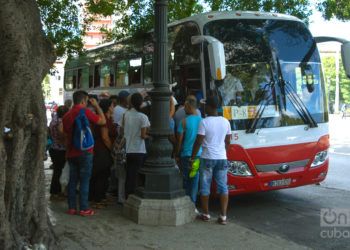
79,96
114,97
136,101
105,104
62,110
212,102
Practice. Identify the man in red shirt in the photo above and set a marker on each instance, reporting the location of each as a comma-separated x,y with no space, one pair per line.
80,162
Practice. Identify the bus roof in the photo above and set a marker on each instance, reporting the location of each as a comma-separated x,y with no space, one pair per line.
200,19
203,18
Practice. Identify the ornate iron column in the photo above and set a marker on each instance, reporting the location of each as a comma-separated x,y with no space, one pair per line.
159,179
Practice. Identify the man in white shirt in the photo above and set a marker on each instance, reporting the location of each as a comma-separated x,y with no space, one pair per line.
214,135
120,109
231,90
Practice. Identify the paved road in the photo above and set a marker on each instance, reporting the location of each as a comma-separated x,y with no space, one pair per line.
294,214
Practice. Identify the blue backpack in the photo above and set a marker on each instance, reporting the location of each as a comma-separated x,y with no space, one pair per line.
82,136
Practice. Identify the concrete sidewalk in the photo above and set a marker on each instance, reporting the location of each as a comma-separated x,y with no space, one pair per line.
108,229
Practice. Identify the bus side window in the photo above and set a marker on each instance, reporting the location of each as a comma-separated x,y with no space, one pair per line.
84,78
122,77
97,76
68,80
91,77
147,69
107,76
79,80
74,79
134,71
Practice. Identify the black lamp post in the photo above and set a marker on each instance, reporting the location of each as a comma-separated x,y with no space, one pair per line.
159,179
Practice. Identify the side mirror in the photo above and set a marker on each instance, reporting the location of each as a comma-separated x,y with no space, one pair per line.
217,60
216,54
345,55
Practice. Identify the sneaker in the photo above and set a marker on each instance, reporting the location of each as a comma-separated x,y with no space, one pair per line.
71,211
222,220
204,217
87,212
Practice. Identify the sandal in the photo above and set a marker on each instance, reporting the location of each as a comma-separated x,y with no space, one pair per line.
87,212
71,211
204,217
222,220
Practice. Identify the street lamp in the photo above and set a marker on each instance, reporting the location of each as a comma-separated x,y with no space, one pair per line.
160,198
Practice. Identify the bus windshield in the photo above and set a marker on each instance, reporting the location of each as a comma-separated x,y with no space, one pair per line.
258,54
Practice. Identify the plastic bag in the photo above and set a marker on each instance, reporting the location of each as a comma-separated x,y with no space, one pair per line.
64,179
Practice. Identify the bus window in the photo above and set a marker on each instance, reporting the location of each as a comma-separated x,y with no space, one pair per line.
147,69
68,80
79,82
97,76
122,78
107,76
91,77
134,71
84,78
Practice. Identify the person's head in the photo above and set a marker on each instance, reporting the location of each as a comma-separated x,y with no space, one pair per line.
68,103
80,97
104,95
62,110
123,98
190,104
106,106
136,101
114,99
211,105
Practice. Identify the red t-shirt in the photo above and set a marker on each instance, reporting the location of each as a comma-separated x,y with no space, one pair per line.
68,125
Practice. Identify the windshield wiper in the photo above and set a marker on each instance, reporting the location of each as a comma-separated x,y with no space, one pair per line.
299,106
262,105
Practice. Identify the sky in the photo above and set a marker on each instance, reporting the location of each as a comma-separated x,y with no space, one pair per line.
319,27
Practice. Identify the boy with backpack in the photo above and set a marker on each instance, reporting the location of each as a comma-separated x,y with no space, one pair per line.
79,141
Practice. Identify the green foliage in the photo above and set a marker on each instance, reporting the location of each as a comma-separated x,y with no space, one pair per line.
328,64
65,29
62,25
335,8
298,8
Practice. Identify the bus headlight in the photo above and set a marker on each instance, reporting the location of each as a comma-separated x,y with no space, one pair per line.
239,168
320,158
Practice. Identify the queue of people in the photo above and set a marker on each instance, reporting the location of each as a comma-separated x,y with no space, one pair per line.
120,130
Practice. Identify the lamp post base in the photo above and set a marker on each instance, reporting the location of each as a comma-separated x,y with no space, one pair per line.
154,212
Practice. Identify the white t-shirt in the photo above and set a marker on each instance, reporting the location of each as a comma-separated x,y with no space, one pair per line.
229,89
214,129
133,122
118,115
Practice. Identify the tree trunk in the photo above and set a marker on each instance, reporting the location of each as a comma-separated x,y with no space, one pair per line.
25,58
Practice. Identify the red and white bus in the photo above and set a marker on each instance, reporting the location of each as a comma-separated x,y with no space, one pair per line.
278,112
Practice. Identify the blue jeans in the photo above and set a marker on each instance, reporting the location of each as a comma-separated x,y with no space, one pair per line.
190,184
210,168
79,171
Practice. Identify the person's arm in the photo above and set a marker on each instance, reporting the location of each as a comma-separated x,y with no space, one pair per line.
227,141
196,146
144,134
172,107
228,135
105,137
180,135
102,120
145,124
